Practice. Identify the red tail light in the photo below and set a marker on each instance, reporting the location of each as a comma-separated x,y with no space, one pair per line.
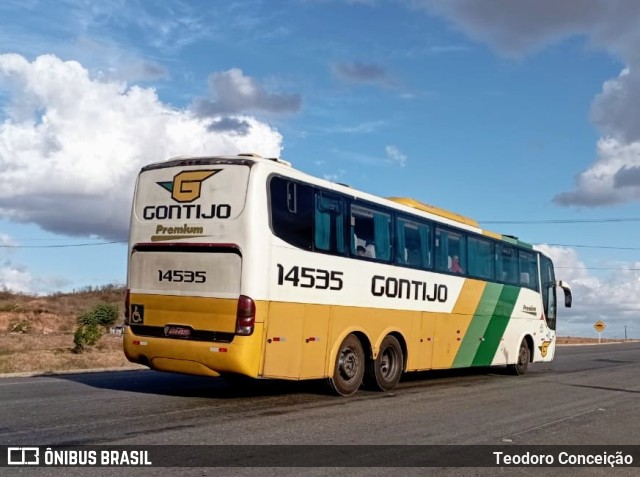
245,316
127,299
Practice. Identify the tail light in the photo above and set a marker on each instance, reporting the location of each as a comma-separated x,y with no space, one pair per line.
245,316
127,299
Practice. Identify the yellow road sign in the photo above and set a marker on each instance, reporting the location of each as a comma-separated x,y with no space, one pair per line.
599,326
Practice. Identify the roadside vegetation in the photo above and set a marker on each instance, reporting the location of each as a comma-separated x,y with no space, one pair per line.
62,331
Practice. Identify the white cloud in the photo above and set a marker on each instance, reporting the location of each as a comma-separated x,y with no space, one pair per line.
612,299
611,179
71,145
394,156
519,28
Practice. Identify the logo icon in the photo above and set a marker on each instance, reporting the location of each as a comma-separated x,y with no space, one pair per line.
23,455
544,347
187,185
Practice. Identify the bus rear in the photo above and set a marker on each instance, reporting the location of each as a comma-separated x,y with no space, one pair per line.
185,311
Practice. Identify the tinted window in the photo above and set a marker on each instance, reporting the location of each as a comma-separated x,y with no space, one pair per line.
507,264
451,251
413,244
329,223
528,269
481,258
370,232
292,212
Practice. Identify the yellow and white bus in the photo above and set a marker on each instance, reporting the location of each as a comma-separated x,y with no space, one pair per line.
245,266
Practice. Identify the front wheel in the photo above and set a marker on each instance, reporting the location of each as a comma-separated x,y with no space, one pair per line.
349,368
383,373
520,367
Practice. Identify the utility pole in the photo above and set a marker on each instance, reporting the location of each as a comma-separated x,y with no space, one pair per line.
625,332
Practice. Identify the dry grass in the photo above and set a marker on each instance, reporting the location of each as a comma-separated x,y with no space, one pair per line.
24,353
36,333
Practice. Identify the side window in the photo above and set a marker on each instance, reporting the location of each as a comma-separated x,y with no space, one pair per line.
528,270
370,233
329,224
292,212
451,251
481,258
507,264
413,242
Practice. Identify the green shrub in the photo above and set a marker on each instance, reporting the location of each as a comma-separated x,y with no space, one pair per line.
92,325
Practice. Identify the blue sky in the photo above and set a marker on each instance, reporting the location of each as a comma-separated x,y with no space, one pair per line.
502,111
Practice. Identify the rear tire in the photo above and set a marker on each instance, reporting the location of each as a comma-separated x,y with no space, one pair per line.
349,368
524,355
383,373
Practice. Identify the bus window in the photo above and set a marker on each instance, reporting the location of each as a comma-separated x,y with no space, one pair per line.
507,264
480,260
329,224
528,270
413,244
292,212
371,231
451,251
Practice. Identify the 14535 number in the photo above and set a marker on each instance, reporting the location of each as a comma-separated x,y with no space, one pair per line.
186,276
305,277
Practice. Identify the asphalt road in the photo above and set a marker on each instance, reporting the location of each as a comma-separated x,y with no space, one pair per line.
588,395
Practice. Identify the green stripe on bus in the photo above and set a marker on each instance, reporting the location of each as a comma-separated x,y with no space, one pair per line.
478,325
497,325
511,240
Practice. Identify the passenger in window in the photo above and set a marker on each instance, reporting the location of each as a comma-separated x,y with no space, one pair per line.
361,251
370,250
455,265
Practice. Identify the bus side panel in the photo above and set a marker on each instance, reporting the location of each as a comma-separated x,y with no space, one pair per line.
479,322
284,334
314,341
452,328
492,337
296,341
527,320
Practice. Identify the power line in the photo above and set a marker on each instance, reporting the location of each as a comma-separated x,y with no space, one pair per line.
592,246
561,221
601,268
68,245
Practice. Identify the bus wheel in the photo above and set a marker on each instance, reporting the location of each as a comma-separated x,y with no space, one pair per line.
349,368
384,372
520,367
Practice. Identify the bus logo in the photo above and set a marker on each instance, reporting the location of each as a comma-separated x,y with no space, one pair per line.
187,185
544,348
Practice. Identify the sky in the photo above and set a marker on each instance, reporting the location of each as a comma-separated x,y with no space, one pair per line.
521,115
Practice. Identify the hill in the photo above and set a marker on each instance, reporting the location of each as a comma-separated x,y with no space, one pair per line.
36,332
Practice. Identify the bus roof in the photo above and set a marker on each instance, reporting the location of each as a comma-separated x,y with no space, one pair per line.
250,159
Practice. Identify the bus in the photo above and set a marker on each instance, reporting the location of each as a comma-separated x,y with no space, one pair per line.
244,267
